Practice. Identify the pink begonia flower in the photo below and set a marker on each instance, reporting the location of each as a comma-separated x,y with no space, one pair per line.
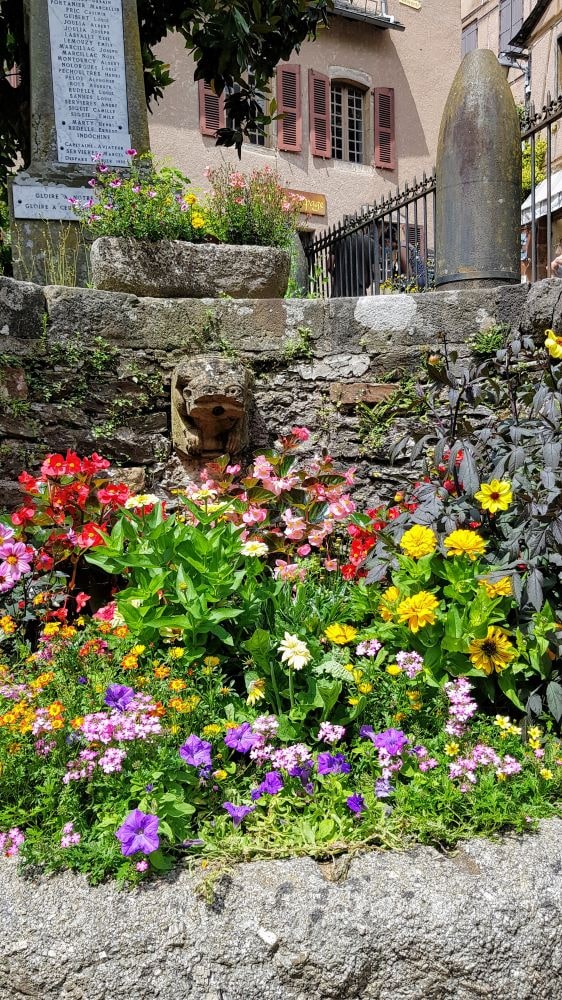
304,550
331,565
302,433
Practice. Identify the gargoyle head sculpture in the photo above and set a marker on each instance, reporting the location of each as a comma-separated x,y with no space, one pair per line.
211,401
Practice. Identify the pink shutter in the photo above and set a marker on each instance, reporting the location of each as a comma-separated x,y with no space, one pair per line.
319,114
385,134
289,127
211,110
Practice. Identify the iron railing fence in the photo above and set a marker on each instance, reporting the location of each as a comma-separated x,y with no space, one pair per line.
390,246
541,212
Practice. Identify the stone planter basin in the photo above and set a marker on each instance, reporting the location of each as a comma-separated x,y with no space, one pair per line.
174,269
480,924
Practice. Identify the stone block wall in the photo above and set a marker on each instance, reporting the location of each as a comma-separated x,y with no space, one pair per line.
90,370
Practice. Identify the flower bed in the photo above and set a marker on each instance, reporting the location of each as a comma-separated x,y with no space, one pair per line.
265,671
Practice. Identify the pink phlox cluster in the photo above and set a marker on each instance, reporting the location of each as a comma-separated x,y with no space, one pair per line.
461,706
330,733
370,648
464,769
289,758
43,722
425,762
15,692
11,842
410,662
137,722
70,838
83,767
44,747
112,760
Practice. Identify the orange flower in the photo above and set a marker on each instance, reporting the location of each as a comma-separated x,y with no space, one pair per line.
177,684
129,662
77,722
161,673
121,632
55,708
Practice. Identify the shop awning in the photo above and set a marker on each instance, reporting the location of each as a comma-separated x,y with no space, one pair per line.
541,199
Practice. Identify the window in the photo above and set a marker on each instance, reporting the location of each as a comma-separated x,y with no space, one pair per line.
211,110
348,122
511,19
469,39
559,65
255,137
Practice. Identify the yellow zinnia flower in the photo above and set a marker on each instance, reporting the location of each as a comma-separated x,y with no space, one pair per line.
494,652
389,598
553,344
418,611
465,543
340,635
501,588
494,496
418,541
197,221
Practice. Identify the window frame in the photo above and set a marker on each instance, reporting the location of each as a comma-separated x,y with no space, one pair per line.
346,86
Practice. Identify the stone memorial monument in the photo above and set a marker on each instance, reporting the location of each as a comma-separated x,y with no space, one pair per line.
87,97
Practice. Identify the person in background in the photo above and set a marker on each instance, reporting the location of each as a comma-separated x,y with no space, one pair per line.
556,264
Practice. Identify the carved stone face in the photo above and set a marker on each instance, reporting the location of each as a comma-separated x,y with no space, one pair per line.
210,403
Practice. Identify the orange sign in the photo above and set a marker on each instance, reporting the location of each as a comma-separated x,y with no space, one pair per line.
313,204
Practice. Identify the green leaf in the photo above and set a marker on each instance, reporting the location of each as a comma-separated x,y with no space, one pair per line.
506,682
159,861
554,699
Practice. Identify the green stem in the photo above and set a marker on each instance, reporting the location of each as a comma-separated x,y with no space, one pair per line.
291,688
275,689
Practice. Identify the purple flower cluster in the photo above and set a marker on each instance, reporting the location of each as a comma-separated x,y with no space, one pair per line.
461,706
242,738
332,763
390,745
272,784
118,696
138,832
237,813
356,804
197,752
110,762
425,762
411,663
330,733
370,648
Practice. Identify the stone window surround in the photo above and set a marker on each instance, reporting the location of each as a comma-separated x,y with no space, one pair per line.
357,78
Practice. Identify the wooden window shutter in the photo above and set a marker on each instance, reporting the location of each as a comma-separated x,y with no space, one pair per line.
319,114
385,140
211,110
289,127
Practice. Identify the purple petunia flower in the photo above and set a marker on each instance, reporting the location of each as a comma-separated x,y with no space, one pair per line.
242,738
356,803
118,696
138,832
196,752
391,740
272,784
332,763
383,788
237,813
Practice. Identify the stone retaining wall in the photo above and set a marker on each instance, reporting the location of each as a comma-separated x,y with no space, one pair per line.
480,924
90,370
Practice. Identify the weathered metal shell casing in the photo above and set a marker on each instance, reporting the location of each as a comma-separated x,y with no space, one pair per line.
478,206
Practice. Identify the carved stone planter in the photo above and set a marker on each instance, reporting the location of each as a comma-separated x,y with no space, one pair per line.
174,269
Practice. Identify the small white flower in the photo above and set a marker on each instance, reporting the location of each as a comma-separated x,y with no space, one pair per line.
294,652
254,549
142,500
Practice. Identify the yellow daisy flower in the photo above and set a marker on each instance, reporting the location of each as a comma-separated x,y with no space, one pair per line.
493,652
418,611
418,541
546,773
553,344
340,635
499,588
452,749
494,496
393,669
465,543
389,598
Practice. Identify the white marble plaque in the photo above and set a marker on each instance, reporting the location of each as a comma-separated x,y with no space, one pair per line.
46,201
89,82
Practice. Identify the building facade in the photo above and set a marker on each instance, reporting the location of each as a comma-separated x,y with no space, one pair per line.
361,107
